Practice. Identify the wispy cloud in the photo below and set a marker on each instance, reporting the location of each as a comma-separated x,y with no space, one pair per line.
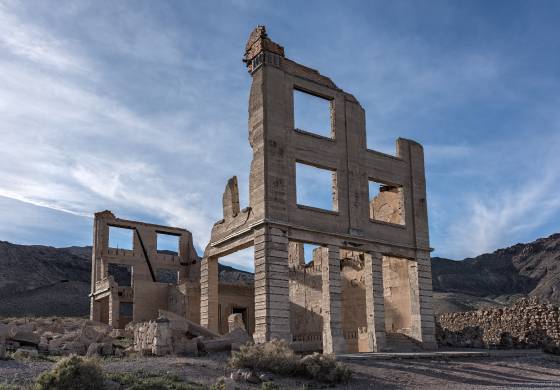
141,108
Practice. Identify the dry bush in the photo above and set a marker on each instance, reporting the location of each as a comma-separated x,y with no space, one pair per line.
277,357
70,374
324,368
274,356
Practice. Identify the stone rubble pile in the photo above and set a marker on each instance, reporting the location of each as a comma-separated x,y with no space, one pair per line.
61,336
172,334
525,324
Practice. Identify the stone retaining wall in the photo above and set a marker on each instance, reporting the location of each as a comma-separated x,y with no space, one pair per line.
525,324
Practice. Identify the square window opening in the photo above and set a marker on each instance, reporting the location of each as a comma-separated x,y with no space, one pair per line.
122,274
311,252
386,203
316,187
126,309
167,244
313,114
164,275
121,238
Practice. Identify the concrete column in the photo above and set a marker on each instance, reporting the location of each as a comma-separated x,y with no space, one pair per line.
272,299
375,309
424,300
333,338
209,293
114,310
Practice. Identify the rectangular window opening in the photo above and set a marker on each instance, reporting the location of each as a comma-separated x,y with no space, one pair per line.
313,114
164,275
386,203
311,252
241,261
167,244
122,274
125,309
316,187
121,238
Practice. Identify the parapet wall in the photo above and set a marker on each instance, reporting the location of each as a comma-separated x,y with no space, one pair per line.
525,324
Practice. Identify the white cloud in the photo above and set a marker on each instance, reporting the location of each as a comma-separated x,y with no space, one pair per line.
497,216
35,44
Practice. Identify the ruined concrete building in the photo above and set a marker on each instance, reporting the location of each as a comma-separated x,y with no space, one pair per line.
134,284
368,286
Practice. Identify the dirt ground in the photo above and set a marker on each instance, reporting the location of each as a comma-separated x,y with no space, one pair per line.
533,371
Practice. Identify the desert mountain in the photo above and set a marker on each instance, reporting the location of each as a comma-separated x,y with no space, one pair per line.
496,278
41,280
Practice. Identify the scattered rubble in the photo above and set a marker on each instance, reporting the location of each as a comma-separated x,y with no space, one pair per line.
173,334
525,324
61,336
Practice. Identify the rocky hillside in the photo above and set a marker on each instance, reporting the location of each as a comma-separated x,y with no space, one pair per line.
40,280
496,278
47,281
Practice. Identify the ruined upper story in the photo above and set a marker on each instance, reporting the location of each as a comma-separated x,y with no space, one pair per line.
279,147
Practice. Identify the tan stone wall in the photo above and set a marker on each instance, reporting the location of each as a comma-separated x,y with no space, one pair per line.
306,288
397,295
354,315
233,296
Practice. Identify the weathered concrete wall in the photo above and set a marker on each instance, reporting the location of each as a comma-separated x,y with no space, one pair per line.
306,297
525,324
288,300
234,297
397,294
388,205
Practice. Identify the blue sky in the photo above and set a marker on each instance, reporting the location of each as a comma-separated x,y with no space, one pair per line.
141,108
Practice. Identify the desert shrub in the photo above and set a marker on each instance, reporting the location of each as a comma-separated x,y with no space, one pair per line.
5,386
219,385
142,380
72,373
324,368
274,356
277,357
552,348
269,386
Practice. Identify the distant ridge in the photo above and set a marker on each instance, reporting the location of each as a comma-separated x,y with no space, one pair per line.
531,269
42,280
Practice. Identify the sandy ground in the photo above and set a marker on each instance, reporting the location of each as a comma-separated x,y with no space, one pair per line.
533,371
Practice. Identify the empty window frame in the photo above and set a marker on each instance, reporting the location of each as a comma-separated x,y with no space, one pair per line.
241,260
316,187
386,203
122,274
164,275
311,252
126,309
313,114
121,238
167,243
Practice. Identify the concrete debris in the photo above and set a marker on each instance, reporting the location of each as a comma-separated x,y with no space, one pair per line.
63,336
26,353
99,349
246,375
172,334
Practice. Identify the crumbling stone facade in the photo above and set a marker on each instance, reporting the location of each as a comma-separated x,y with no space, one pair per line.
525,324
386,240
149,288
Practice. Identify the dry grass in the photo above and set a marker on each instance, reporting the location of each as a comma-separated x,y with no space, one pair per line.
277,357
